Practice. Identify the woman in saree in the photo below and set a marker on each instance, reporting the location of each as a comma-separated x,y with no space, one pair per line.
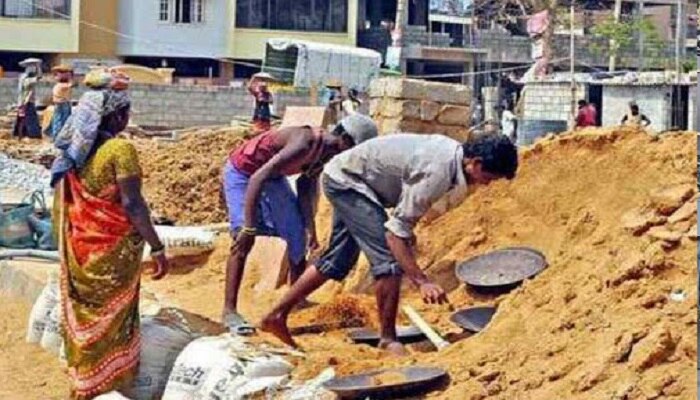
102,222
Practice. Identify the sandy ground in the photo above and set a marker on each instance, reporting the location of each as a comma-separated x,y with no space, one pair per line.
613,211
28,371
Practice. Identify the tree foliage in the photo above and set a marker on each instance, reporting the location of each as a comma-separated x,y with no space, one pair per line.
623,37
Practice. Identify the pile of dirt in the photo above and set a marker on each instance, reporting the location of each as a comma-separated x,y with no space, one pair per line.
614,315
182,179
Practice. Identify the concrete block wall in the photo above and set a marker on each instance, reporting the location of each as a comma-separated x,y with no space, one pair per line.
693,113
550,101
416,106
177,105
653,101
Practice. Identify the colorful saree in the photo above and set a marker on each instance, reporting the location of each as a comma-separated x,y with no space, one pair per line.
101,268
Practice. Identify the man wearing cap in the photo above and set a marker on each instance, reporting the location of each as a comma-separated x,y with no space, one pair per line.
416,176
260,200
27,122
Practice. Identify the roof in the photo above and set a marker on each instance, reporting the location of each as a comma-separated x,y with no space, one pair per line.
621,79
282,44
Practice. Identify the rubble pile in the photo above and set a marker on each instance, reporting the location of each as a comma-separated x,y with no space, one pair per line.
26,176
614,314
182,179
409,105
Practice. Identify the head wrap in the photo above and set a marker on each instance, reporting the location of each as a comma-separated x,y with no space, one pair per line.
79,135
120,81
98,78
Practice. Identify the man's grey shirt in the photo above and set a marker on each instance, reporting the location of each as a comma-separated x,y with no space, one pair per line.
406,172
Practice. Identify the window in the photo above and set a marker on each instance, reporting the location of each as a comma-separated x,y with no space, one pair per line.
47,9
164,11
189,11
293,15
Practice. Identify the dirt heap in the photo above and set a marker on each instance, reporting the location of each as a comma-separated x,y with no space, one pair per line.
614,315
182,179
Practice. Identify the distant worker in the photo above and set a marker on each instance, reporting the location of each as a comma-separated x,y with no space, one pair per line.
27,122
409,174
261,202
509,123
635,118
262,114
587,115
62,98
352,104
333,99
478,113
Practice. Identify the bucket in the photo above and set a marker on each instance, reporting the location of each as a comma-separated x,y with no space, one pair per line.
531,130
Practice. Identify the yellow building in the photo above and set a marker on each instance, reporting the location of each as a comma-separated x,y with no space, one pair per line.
196,37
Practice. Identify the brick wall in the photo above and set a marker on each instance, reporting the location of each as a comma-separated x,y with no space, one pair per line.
177,105
550,101
654,101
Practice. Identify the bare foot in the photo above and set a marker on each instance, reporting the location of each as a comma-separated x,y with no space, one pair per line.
393,347
277,325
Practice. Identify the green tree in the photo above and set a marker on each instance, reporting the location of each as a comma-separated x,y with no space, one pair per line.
623,37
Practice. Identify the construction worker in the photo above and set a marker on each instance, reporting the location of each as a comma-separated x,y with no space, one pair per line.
62,98
27,122
411,174
587,115
260,200
262,114
635,118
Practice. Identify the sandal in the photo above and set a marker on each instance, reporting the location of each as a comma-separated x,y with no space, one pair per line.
237,325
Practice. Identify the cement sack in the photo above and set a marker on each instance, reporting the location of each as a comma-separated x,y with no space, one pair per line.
193,367
112,396
52,339
183,240
161,343
312,389
244,370
225,368
44,304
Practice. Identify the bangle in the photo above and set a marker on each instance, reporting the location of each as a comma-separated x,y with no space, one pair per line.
158,253
248,231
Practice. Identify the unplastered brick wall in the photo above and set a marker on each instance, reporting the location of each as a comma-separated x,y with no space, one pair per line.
416,106
176,105
550,101
653,101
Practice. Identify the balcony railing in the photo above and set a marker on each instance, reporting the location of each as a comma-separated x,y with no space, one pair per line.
40,9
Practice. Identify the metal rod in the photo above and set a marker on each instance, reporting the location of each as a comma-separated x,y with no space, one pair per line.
572,62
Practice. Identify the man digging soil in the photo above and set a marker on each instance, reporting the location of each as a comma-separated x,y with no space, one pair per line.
260,200
408,173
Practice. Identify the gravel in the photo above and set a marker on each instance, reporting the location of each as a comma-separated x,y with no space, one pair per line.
22,175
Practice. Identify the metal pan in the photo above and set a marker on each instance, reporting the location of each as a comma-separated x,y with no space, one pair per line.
500,268
405,335
417,380
473,319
